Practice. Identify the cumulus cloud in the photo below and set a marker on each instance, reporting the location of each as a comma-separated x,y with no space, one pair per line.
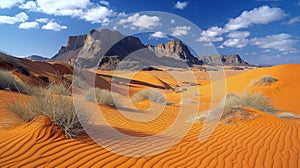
211,35
42,20
102,2
21,17
181,5
261,15
235,38
53,26
293,20
9,3
158,34
236,43
29,25
141,21
281,42
97,14
83,9
29,5
239,34
180,30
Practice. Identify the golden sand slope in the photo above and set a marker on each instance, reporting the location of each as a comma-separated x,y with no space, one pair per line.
265,141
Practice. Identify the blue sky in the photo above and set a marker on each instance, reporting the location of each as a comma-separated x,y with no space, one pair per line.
261,31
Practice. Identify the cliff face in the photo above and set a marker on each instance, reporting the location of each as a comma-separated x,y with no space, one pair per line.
175,49
232,60
72,48
106,49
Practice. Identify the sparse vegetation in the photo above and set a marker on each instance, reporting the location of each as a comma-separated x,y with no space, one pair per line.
256,101
9,82
100,96
60,88
149,94
60,109
263,81
235,108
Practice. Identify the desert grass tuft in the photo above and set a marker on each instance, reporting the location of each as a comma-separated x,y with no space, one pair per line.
149,94
60,109
9,82
101,96
251,100
263,81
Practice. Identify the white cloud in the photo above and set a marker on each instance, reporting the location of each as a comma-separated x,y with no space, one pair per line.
29,25
180,30
97,14
181,5
281,42
9,3
42,20
83,9
159,34
236,43
211,35
210,39
53,26
141,21
298,3
172,21
293,20
102,2
261,15
21,17
238,34
29,5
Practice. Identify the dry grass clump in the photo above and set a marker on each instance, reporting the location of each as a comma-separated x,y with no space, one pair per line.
256,101
149,94
9,82
263,81
234,109
60,88
100,96
60,109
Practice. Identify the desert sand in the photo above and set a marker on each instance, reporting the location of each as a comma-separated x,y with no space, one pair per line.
265,141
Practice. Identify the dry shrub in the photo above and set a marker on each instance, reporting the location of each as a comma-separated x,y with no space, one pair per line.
149,94
235,108
100,96
9,82
263,81
256,101
60,88
60,109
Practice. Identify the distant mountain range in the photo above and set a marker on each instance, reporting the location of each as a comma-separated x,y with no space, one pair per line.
37,58
116,51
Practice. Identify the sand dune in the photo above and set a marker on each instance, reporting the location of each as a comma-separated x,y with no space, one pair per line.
265,141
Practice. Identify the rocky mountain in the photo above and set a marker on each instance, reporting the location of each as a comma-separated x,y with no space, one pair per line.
37,58
232,60
109,49
177,50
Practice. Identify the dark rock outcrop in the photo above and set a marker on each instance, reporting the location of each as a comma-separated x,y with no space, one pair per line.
175,49
219,60
109,49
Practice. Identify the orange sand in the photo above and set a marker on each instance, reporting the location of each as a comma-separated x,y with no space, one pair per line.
265,141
